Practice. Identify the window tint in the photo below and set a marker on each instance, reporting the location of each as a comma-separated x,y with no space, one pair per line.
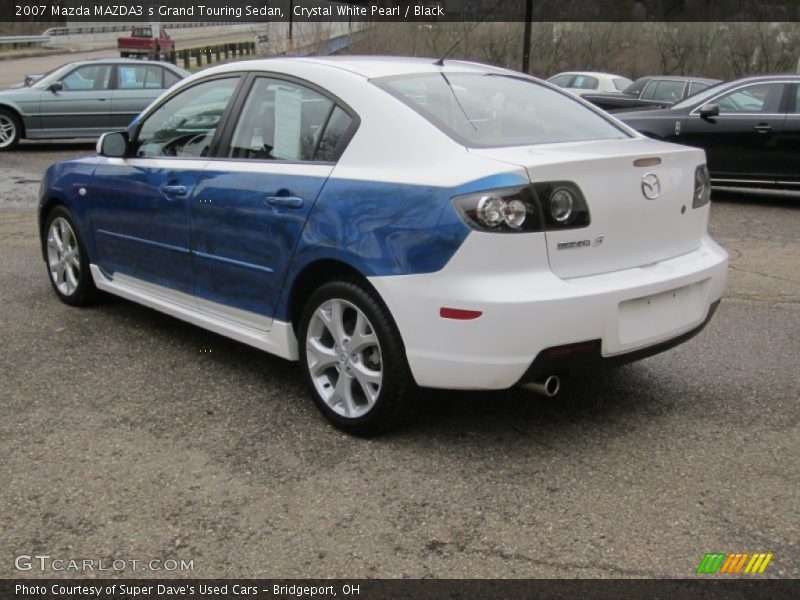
561,80
89,77
584,82
184,126
498,110
669,91
697,86
280,120
138,77
759,98
142,32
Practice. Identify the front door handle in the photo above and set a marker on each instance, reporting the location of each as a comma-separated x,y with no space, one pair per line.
174,190
285,201
764,128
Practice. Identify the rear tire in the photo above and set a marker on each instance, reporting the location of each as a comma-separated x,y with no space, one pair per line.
353,359
10,129
67,260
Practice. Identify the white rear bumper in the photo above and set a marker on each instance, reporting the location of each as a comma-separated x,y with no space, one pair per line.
527,309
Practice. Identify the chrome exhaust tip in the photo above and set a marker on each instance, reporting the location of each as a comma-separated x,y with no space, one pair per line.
549,386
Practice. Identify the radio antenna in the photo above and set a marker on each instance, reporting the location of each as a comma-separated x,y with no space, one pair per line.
440,62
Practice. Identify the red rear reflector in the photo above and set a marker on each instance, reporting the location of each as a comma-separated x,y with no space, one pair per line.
572,349
458,313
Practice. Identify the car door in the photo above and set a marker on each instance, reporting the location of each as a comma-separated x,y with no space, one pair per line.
140,215
742,143
137,86
252,202
82,107
789,144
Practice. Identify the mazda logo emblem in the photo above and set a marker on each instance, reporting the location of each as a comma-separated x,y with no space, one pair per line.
651,186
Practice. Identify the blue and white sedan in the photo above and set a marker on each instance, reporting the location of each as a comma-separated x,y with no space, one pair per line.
392,223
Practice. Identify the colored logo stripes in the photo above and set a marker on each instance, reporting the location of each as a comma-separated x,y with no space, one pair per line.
719,562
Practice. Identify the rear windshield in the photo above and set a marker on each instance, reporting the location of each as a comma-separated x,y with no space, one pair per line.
489,110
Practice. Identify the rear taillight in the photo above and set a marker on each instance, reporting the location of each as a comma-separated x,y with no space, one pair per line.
551,205
702,187
563,205
505,210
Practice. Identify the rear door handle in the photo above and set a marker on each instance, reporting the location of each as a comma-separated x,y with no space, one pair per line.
285,201
174,190
764,128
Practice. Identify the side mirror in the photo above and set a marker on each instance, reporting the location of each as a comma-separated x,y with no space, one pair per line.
709,110
113,145
56,86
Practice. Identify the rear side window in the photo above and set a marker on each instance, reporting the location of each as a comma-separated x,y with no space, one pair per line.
282,120
487,110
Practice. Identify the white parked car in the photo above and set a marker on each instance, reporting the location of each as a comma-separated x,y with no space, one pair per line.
389,222
589,82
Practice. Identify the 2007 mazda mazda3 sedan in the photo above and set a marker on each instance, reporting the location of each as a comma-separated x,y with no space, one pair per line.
392,222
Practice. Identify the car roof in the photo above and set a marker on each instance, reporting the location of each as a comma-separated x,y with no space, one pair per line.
679,78
367,67
123,61
590,73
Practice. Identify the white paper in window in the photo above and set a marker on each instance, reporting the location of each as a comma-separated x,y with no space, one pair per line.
288,109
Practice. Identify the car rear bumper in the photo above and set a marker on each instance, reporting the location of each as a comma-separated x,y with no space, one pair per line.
528,312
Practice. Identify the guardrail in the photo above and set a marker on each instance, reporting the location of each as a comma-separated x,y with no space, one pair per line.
59,31
24,40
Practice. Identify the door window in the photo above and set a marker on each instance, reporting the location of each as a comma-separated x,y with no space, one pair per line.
140,77
88,77
184,125
760,98
668,91
285,121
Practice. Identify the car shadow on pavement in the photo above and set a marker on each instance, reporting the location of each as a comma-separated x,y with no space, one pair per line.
614,398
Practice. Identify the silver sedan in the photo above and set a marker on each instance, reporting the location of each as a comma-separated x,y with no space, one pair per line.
82,99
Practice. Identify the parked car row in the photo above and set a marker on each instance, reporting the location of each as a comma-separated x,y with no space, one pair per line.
653,92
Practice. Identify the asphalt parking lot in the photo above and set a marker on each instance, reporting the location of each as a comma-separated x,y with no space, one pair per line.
129,435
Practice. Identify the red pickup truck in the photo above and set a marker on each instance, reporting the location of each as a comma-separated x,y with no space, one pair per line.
146,40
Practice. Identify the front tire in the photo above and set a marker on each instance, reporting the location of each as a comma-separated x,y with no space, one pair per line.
10,130
353,359
67,260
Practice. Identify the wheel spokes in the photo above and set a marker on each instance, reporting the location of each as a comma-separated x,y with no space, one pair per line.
323,357
333,317
363,337
343,394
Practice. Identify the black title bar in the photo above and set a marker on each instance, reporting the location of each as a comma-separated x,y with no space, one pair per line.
83,11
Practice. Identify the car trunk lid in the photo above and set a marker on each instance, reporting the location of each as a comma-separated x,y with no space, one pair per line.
627,228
